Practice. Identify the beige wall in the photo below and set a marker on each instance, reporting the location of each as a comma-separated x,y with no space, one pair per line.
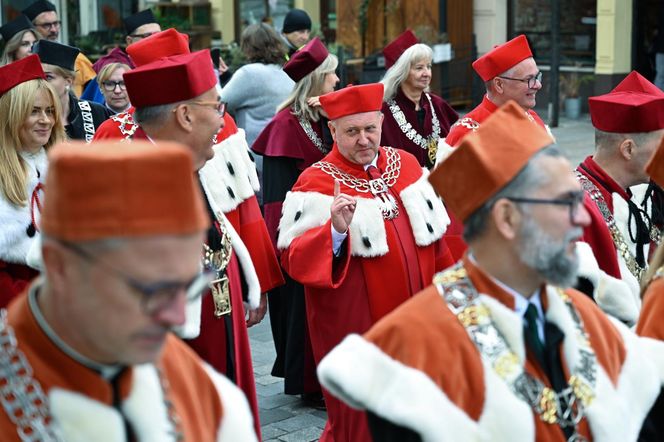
614,42
222,19
313,9
490,23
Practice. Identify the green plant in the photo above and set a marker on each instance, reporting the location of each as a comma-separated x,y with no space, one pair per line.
571,82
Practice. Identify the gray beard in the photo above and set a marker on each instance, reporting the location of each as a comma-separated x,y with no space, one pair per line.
547,256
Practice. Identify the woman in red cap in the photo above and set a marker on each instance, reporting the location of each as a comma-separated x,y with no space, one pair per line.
297,137
33,124
415,119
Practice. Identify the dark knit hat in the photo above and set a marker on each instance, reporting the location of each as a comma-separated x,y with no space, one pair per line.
296,20
141,18
11,28
37,8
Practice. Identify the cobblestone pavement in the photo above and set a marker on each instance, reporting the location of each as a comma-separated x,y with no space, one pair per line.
284,418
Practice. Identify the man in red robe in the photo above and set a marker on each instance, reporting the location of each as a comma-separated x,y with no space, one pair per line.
629,125
509,72
362,231
238,244
89,348
498,348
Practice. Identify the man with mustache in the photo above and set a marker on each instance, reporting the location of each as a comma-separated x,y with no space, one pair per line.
87,351
498,348
44,17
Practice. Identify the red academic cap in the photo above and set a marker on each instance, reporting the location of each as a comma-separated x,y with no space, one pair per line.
25,69
306,60
353,100
170,79
488,159
393,51
162,44
502,57
635,105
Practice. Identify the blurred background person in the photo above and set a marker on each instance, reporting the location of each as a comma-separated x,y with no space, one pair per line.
19,36
32,123
113,88
415,119
257,88
297,137
296,30
44,18
82,117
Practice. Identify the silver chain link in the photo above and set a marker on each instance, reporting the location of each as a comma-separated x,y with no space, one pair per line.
408,128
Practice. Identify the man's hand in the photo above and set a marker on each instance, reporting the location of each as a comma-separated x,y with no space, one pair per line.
256,315
342,210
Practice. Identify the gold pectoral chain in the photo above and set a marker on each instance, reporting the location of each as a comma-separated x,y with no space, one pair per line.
218,260
430,143
617,237
566,408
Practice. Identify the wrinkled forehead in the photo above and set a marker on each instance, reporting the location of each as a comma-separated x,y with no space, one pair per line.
362,119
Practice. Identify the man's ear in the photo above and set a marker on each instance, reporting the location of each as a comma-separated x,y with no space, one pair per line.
626,148
506,218
184,117
333,129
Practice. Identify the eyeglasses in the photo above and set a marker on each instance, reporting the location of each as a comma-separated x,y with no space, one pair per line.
109,86
219,106
532,81
573,201
53,24
141,36
155,296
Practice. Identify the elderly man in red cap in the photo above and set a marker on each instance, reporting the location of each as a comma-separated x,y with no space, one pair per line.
498,348
509,72
362,231
88,350
629,125
186,109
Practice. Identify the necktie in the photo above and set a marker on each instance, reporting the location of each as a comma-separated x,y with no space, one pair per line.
373,172
533,340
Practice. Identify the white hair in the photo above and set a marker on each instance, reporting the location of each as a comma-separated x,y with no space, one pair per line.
400,70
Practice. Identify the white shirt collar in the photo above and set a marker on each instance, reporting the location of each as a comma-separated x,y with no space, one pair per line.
373,162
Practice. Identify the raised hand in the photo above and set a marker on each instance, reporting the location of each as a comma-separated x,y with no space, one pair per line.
342,210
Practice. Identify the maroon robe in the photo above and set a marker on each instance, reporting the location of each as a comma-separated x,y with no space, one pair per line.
392,135
287,150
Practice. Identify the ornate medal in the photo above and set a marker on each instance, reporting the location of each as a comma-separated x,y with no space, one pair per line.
218,260
221,296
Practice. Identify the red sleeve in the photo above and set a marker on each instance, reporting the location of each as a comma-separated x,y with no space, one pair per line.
310,261
598,236
443,255
454,238
456,134
14,278
249,224
108,130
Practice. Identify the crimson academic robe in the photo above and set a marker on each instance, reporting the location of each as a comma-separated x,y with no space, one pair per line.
229,181
418,368
287,150
470,123
83,405
381,263
395,136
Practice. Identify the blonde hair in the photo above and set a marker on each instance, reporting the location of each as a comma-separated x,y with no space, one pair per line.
108,70
15,107
9,53
399,71
311,85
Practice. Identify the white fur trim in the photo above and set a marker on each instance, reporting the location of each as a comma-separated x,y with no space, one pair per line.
444,150
237,421
613,295
145,408
228,189
364,377
312,209
34,256
510,325
426,212
81,419
629,279
617,412
14,220
192,323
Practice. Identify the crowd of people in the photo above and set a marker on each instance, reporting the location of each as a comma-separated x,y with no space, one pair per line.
428,277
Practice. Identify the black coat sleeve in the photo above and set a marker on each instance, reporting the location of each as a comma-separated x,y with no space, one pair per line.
383,430
653,426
